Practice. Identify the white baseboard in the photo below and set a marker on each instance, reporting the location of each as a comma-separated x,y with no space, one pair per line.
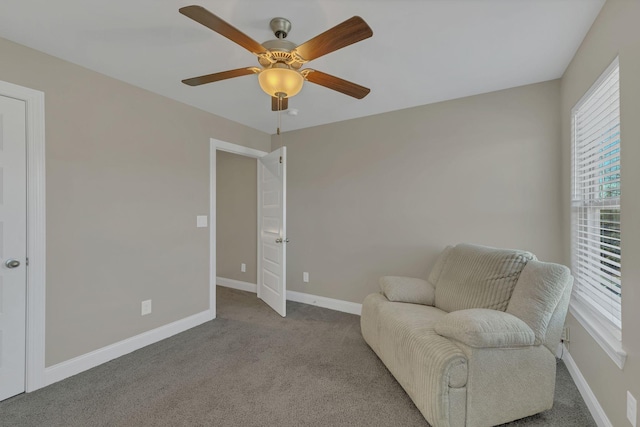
74,366
330,303
237,284
90,360
596,410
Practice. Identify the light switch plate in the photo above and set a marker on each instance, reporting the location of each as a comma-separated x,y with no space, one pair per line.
243,267
201,221
305,277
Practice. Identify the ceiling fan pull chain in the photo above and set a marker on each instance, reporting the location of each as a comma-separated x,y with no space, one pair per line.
280,119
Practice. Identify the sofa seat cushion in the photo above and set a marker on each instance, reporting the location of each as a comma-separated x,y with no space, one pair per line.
479,277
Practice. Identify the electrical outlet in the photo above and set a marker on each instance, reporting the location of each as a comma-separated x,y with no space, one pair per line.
565,334
305,277
146,307
243,267
201,221
632,409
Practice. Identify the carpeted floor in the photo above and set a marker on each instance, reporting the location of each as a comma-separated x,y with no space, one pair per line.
250,367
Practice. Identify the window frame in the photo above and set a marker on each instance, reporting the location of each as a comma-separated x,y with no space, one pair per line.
604,331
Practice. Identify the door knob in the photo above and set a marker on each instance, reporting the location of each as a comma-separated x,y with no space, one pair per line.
279,240
12,263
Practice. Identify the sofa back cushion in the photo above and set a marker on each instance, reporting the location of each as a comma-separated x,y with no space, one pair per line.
475,276
537,294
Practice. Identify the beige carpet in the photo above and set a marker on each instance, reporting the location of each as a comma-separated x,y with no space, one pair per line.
250,367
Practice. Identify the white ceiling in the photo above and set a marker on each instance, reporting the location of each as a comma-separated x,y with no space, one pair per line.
422,51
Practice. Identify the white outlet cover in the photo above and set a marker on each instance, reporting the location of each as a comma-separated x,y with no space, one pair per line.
305,277
243,267
632,409
146,307
201,221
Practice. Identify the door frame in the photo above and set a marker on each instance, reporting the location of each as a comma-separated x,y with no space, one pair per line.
36,235
214,146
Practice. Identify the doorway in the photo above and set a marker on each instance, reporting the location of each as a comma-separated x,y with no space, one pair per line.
271,222
236,224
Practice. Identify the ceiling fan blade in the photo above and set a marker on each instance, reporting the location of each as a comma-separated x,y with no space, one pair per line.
350,31
208,19
336,83
210,78
283,106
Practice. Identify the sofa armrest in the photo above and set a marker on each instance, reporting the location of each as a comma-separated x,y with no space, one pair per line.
407,289
485,328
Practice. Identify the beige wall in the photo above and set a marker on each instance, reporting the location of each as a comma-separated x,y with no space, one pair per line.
382,195
236,218
127,173
614,32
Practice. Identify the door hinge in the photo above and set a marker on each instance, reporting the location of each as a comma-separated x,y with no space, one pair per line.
26,262
280,159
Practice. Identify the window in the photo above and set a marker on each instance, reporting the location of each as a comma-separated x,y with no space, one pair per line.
596,192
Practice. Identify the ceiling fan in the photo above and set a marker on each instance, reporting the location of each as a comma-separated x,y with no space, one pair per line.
280,60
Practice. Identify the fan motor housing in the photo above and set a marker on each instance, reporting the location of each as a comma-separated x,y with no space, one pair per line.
279,51
279,45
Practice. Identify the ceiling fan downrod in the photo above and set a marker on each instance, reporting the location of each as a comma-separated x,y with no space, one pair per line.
280,27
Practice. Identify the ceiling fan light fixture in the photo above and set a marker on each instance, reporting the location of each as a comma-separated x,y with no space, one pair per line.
280,79
280,60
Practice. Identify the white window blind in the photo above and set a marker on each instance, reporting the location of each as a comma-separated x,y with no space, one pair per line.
596,237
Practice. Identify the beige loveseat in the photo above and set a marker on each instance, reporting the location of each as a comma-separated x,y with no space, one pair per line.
474,344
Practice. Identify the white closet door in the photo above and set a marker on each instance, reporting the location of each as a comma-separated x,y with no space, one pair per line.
13,237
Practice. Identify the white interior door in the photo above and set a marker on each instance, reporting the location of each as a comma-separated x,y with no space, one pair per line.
272,230
13,246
